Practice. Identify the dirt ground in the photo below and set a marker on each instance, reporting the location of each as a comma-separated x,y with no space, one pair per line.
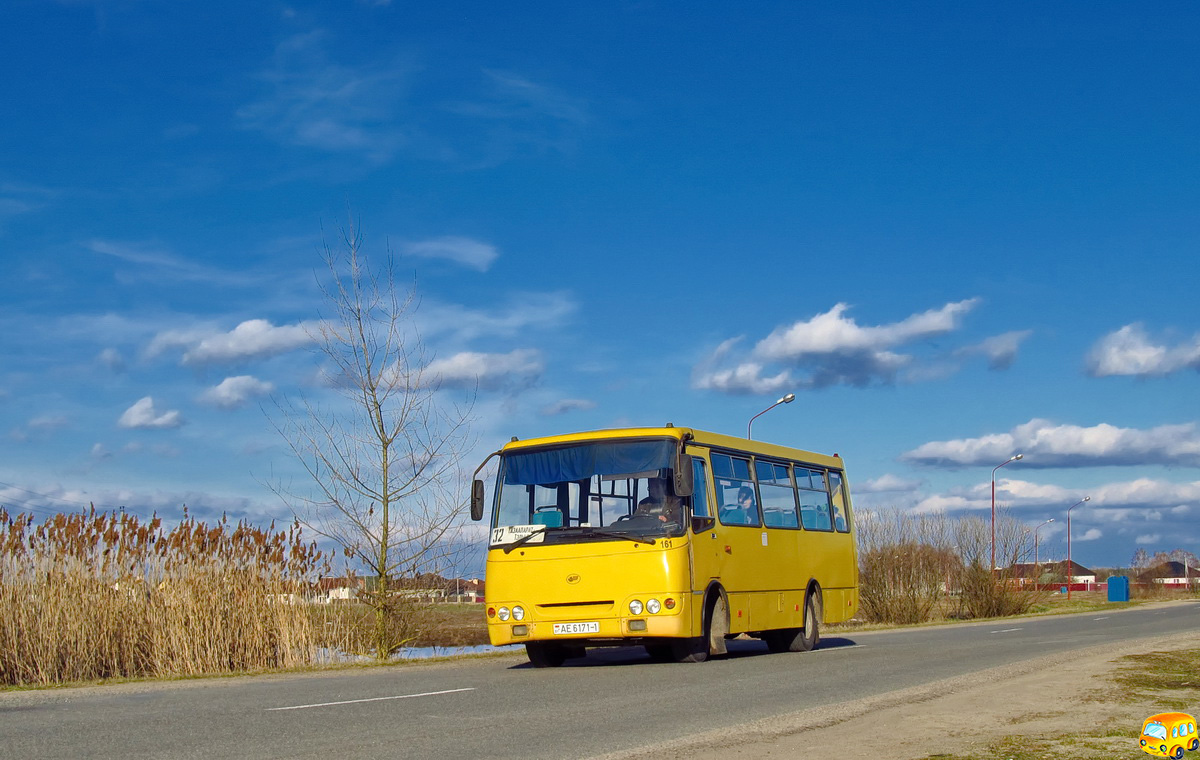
1054,695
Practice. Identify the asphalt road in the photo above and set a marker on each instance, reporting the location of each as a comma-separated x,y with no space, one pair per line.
502,708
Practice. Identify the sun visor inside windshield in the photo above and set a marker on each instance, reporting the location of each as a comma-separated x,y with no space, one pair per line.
579,462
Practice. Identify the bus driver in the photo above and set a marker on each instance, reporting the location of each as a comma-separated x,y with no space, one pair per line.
658,505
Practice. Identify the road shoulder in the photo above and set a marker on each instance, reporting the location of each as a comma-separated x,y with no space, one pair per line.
1051,695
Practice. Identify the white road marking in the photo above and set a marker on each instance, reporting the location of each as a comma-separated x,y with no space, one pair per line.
1101,618
372,699
1007,630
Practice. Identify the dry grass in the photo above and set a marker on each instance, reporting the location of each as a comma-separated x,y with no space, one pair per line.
102,595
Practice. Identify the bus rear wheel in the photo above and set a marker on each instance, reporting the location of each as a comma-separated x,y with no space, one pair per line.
545,654
797,639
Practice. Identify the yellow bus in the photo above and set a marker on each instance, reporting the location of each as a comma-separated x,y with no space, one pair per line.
669,538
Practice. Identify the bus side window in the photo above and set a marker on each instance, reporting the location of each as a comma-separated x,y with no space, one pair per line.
778,495
733,480
814,499
700,489
841,509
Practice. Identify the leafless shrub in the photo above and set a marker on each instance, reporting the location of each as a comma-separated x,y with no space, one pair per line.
914,566
905,566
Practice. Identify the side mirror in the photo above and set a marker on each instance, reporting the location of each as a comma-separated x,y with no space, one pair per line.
477,500
703,524
683,475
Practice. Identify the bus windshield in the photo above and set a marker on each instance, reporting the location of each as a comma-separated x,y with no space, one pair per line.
1157,730
595,491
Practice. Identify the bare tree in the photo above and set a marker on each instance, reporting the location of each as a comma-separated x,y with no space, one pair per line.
384,457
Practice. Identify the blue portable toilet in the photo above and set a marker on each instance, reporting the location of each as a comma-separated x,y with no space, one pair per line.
1118,588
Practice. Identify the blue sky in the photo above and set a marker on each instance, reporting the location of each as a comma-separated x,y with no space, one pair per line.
955,232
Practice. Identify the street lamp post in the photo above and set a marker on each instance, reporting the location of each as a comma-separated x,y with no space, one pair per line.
1036,570
1010,460
1076,504
785,400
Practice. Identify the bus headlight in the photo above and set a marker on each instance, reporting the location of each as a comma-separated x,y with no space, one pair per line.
653,606
635,607
518,613
502,613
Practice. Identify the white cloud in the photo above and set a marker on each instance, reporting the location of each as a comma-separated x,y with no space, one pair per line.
745,378
1046,444
1000,350
1149,538
833,333
887,483
252,339
156,258
144,415
521,367
516,115
313,102
202,505
567,405
461,250
1129,351
233,392
1139,499
833,349
1091,534
111,358
19,198
48,422
523,312
517,97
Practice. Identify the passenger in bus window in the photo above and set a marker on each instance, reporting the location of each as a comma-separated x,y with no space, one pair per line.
745,499
659,505
839,522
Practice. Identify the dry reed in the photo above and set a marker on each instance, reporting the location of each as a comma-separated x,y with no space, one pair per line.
101,595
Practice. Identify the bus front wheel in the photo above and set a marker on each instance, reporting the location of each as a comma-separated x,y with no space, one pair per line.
545,654
716,625
660,652
690,650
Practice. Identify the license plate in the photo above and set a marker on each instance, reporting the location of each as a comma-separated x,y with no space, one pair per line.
569,628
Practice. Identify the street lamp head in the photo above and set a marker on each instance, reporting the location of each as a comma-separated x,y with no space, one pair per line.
1018,456
1050,520
785,400
1087,498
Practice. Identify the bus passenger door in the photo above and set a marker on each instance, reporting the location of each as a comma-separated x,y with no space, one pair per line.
706,551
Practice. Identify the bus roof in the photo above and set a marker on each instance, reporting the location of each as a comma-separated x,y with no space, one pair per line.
716,440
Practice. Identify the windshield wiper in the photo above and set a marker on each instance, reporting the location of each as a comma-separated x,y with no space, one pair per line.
523,539
626,536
